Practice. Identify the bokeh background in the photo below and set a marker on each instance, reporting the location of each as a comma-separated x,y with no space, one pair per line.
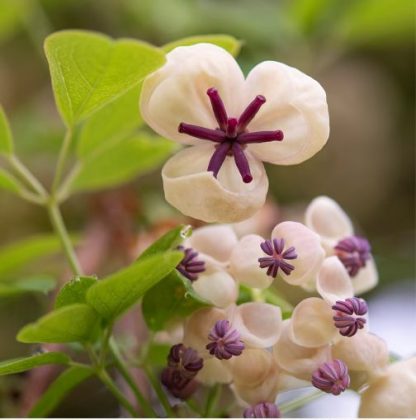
361,51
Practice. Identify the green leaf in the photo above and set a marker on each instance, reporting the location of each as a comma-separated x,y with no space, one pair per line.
74,291
157,354
121,162
168,241
22,252
58,390
9,183
89,69
72,323
115,294
36,284
6,141
111,123
169,300
227,42
22,364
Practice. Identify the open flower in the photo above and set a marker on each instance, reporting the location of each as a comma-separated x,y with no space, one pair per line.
325,217
200,98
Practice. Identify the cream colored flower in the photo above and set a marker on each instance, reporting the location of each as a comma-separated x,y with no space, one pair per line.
201,98
325,217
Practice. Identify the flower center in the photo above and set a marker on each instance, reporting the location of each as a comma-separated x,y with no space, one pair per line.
224,341
353,252
277,257
231,134
331,377
190,266
348,315
262,410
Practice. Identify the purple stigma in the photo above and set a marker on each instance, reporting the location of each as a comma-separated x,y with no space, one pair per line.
353,252
332,377
231,134
263,410
348,315
277,257
225,341
190,266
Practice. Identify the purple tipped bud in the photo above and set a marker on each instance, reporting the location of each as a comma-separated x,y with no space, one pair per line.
178,386
348,315
225,341
185,360
353,252
190,266
277,257
332,377
263,410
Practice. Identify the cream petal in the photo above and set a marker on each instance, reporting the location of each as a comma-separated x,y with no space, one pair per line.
312,324
214,372
366,279
309,252
392,395
196,193
217,287
295,104
244,264
297,360
177,91
198,326
325,217
258,323
333,281
217,241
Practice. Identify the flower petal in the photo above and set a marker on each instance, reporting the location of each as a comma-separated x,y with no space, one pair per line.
366,279
325,217
333,281
307,247
312,324
196,193
295,104
258,323
214,371
217,287
244,264
177,91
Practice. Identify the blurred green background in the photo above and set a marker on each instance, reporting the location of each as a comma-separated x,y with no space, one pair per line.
361,51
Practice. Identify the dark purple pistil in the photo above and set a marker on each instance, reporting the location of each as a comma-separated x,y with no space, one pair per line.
263,410
277,257
353,252
332,377
190,266
224,341
231,134
348,315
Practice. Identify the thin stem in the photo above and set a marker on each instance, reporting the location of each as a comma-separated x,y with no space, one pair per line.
212,401
300,402
123,369
59,226
193,406
61,160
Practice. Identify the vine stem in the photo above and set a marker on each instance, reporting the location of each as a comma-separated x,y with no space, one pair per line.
300,402
61,160
59,226
212,401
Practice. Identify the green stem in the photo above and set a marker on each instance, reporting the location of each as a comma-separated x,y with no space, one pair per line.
59,226
123,369
61,160
193,406
212,401
300,402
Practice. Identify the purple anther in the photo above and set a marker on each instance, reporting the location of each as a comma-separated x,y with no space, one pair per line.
218,107
277,257
177,385
231,131
250,112
263,410
225,341
348,315
185,360
190,266
332,377
353,252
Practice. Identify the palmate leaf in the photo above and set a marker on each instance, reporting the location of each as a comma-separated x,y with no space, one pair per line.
6,142
89,69
9,183
37,284
74,291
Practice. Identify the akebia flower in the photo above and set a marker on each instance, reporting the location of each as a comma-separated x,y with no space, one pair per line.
201,98
262,410
332,377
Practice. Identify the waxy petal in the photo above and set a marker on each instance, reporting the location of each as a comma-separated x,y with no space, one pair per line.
177,91
325,217
333,281
295,104
309,252
214,371
196,193
366,278
244,264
